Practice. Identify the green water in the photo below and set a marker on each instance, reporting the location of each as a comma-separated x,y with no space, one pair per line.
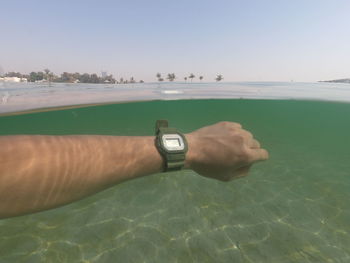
293,208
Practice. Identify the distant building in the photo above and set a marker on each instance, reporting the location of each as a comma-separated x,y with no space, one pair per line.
104,74
14,79
41,81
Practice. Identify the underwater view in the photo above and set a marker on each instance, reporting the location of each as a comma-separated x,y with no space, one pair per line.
292,208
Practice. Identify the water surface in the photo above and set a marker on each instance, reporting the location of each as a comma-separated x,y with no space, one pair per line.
16,97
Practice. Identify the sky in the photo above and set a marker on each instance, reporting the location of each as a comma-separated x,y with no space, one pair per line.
248,40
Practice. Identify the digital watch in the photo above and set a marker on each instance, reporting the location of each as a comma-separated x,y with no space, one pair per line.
172,145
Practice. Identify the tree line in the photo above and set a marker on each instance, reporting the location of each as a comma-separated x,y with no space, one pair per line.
76,77
171,77
66,77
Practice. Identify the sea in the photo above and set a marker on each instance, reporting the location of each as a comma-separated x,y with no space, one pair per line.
292,208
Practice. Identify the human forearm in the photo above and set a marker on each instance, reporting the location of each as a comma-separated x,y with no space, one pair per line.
42,172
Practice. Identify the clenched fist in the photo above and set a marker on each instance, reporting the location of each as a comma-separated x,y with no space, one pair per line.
223,151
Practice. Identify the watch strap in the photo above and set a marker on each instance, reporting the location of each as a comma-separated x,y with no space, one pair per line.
163,126
175,161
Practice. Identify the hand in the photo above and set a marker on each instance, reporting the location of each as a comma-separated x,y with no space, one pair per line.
223,151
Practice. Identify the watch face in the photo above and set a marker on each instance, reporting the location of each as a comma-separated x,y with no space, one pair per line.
173,142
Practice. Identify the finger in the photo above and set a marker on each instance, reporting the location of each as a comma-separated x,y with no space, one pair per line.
236,125
259,155
254,144
237,173
248,135
241,172
231,124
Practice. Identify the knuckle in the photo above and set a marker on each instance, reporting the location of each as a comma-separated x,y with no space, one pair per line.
239,138
245,154
224,123
249,134
257,143
230,124
237,125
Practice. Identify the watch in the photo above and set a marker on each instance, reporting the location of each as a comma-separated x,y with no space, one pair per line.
172,145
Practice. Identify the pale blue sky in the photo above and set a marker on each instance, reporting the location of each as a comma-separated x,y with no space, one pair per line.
300,40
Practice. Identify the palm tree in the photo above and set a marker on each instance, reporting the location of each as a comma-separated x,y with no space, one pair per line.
191,76
47,71
159,76
171,76
51,77
200,78
48,75
219,78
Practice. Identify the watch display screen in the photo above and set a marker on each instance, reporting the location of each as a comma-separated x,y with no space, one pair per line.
172,142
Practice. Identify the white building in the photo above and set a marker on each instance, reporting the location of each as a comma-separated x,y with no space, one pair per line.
13,79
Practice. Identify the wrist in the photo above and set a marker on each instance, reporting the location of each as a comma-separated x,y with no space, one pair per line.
191,153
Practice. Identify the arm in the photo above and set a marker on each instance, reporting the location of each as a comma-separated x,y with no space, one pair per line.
43,172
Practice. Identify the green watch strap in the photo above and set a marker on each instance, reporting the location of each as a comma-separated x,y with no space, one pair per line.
163,126
175,161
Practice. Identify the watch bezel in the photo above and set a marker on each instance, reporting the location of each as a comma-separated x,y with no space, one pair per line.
166,137
162,146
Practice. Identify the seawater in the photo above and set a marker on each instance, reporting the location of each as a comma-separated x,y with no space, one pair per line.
292,208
